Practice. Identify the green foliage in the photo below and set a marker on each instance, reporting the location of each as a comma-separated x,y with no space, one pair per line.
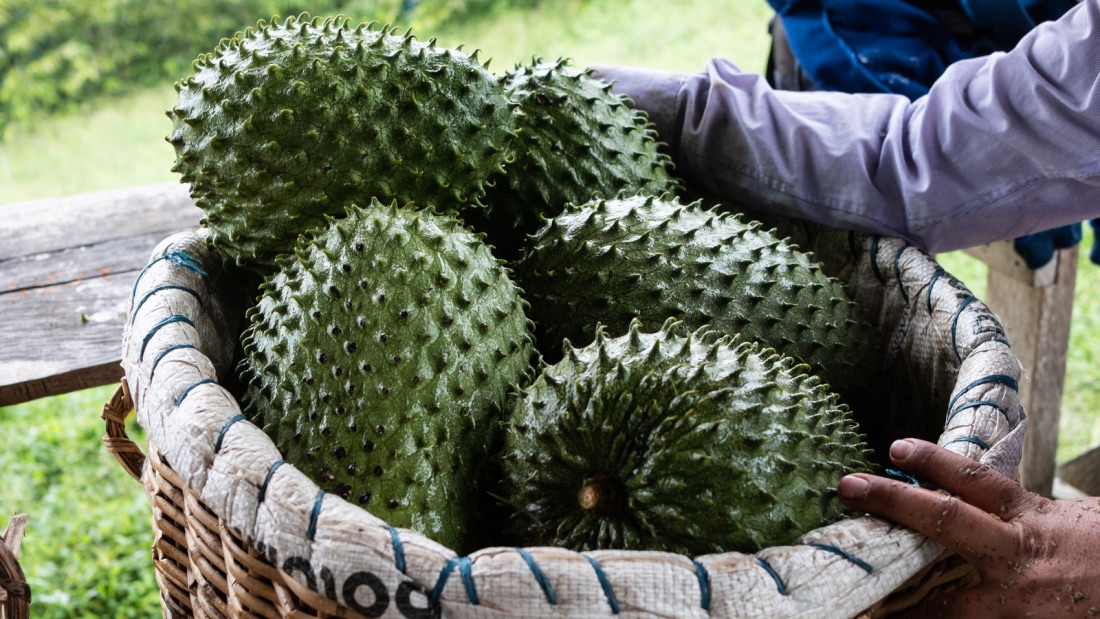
1080,423
425,15
58,54
118,143
55,54
86,551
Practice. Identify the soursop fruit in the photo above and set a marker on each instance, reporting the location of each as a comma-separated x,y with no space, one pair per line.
286,123
378,358
577,139
610,261
679,441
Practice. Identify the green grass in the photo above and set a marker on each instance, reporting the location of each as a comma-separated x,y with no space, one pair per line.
1080,423
86,553
118,143
678,37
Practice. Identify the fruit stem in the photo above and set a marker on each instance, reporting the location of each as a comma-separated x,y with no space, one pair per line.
602,494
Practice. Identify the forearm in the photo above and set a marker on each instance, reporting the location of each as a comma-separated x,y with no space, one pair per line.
1000,147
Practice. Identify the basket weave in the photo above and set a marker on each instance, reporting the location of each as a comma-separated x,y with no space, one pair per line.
15,593
239,535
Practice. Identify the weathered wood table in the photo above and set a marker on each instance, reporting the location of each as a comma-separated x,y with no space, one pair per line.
67,267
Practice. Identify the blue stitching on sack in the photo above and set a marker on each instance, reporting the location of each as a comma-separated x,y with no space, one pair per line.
902,475
157,327
463,564
932,284
164,352
897,272
605,584
444,574
398,549
311,532
177,258
540,578
221,435
955,325
874,260
704,584
775,576
860,563
468,579
182,259
970,439
134,310
133,291
187,391
1007,381
267,479
960,409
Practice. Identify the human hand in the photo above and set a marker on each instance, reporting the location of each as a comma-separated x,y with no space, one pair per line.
1036,557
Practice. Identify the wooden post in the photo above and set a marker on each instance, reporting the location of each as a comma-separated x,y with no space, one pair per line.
1083,472
1035,308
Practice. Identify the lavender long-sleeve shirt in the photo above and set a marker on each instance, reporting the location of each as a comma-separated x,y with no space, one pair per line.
1002,146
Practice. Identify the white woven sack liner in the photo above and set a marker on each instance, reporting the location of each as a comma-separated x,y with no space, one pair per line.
179,324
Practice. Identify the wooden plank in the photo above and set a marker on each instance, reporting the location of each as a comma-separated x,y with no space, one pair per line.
67,267
1037,321
42,226
1083,472
56,268
1002,258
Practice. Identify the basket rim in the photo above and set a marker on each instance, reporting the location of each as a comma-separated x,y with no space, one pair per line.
446,561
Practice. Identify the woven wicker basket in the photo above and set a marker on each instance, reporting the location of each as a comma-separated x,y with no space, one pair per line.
238,535
15,593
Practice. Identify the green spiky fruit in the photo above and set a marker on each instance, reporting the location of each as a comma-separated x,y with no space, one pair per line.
285,123
610,261
379,358
577,139
676,441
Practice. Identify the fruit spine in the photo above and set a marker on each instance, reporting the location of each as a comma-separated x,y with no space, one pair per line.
378,359
686,442
610,261
576,139
285,123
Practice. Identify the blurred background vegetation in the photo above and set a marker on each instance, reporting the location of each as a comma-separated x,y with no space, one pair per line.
83,89
57,55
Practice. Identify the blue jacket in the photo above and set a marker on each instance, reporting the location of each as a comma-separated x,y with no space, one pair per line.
902,47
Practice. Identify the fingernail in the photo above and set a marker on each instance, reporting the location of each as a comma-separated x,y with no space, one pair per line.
853,487
900,450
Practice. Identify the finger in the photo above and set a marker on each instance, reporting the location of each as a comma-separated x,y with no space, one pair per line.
972,532
975,483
